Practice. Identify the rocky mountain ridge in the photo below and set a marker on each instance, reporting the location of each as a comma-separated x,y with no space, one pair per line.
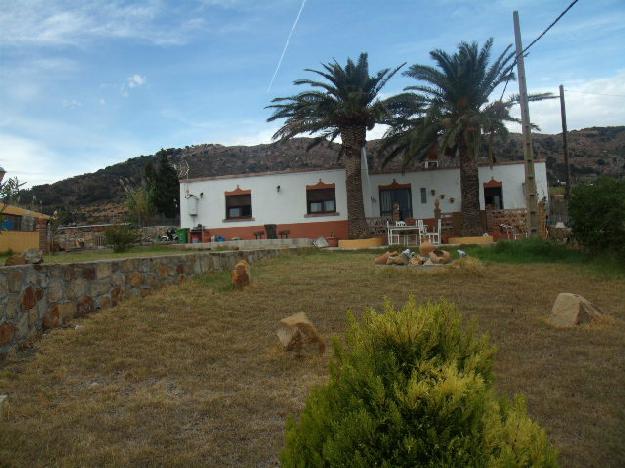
98,196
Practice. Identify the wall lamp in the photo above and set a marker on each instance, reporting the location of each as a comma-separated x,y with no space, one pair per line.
277,188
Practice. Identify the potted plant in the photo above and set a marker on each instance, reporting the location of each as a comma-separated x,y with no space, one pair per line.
332,240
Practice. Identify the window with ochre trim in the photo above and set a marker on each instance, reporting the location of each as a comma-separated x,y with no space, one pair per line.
320,201
238,206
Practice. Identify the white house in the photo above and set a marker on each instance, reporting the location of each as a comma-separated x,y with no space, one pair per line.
311,203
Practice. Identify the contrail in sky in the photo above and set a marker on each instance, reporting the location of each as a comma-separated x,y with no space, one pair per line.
286,45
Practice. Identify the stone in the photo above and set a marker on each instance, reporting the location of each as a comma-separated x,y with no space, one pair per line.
7,332
241,275
163,271
4,285
570,310
67,311
14,278
88,272
426,247
296,330
440,257
29,298
117,294
76,288
416,260
100,287
103,270
104,302
135,279
180,269
381,260
52,318
33,256
12,306
15,260
55,290
84,306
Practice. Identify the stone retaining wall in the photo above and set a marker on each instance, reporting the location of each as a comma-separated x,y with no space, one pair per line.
34,298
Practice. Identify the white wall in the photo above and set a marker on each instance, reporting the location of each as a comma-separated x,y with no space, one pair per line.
447,182
289,205
268,205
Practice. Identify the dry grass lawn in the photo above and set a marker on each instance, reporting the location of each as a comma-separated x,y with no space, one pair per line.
194,376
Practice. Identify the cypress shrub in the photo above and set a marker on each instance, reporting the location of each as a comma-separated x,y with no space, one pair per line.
121,237
410,388
597,213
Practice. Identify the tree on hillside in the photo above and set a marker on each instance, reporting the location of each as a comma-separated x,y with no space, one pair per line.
138,203
162,182
344,103
449,111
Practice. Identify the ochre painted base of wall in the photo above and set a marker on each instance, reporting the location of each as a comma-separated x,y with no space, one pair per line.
18,241
297,230
480,240
361,243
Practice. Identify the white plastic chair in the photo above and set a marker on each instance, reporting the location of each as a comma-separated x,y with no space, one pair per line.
390,236
400,223
435,236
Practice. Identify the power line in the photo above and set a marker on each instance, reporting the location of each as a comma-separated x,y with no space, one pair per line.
523,52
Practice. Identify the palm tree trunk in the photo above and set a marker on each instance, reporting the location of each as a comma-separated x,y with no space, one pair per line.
354,138
469,190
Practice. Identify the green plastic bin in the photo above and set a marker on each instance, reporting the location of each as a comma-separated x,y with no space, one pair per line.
183,235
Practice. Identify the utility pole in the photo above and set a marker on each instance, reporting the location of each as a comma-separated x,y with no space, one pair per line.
565,147
531,196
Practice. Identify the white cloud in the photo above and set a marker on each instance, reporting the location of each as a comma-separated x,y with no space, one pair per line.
31,161
135,80
597,102
58,22
71,103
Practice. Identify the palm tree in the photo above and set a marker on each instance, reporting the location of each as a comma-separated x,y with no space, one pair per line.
450,112
344,104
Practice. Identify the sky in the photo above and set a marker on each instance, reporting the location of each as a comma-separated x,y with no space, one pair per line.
88,83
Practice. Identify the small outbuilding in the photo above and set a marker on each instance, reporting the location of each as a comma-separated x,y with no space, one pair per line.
22,229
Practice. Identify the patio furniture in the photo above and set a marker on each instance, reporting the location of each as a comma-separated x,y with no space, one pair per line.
259,234
284,234
435,236
403,231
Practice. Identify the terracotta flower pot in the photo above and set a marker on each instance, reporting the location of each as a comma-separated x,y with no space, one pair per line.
332,241
425,248
440,257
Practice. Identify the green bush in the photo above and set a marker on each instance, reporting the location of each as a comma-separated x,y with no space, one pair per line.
410,388
121,237
597,213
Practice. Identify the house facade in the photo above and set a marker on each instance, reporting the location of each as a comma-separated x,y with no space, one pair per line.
313,203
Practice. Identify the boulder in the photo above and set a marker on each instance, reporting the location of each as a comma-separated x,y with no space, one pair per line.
296,330
14,260
33,256
425,248
572,309
440,257
30,257
241,275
